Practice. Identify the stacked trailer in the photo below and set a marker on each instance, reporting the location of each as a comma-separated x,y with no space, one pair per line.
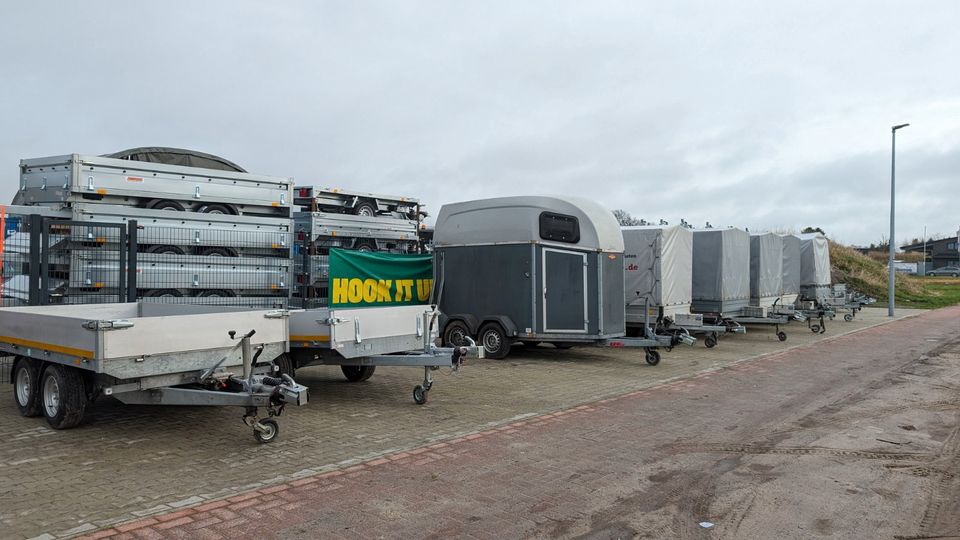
533,270
340,201
658,275
214,235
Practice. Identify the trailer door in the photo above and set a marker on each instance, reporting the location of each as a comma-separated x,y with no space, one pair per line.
564,291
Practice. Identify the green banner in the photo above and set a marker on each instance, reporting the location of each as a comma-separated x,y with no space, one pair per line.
361,279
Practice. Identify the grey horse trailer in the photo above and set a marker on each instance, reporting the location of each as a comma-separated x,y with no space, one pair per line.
529,269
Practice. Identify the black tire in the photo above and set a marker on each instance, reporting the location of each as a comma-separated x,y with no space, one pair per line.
161,204
420,394
365,209
216,252
782,336
848,317
358,373
273,431
26,387
454,333
216,293
62,396
165,250
563,346
710,342
285,364
162,293
366,246
653,357
217,209
815,328
495,342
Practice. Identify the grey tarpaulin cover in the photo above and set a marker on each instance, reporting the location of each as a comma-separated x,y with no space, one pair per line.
658,265
766,267
176,156
791,264
814,260
721,265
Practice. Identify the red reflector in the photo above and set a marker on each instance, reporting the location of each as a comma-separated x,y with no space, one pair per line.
617,344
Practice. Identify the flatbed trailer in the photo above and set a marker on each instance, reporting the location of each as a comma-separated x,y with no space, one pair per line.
149,354
361,339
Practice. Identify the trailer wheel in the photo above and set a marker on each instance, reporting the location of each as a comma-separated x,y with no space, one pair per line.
270,431
26,389
365,209
710,342
495,343
161,204
162,293
455,334
165,250
815,328
216,293
848,317
216,252
62,396
358,373
285,364
216,209
563,346
366,246
419,394
782,336
653,357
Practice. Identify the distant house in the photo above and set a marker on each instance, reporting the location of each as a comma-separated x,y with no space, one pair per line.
939,252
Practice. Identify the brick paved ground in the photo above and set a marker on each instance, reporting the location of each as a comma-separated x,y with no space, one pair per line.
131,462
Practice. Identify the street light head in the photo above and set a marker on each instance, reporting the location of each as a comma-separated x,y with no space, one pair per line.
899,126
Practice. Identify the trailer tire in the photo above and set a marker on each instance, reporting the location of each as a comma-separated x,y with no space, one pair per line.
163,204
563,346
217,209
216,252
165,250
815,328
26,387
272,431
365,209
285,364
216,293
63,396
653,357
162,293
420,394
358,373
454,334
495,342
848,317
710,342
366,246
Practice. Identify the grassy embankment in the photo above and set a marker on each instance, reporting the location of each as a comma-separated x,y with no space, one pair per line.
870,277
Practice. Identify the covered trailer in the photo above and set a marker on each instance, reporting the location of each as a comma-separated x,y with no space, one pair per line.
530,269
766,269
721,271
658,270
791,269
814,267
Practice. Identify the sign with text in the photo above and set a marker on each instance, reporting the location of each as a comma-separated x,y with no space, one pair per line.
361,279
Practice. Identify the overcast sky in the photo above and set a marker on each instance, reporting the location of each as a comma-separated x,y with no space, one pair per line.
767,115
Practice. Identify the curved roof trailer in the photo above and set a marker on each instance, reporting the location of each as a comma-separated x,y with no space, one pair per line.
658,275
533,269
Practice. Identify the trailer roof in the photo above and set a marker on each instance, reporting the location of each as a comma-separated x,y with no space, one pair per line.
517,219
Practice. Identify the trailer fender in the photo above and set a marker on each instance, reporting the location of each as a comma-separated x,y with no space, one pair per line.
504,321
473,324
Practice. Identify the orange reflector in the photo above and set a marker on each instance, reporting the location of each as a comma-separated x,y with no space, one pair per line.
101,191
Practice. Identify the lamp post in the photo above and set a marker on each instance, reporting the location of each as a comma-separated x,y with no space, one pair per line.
893,192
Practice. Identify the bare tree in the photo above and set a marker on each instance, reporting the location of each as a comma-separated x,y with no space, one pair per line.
626,219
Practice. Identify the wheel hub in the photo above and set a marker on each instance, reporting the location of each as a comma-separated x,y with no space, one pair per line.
23,387
51,396
492,341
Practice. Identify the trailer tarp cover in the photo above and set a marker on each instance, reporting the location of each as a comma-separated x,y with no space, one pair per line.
721,265
791,264
814,260
766,265
176,156
363,279
658,265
